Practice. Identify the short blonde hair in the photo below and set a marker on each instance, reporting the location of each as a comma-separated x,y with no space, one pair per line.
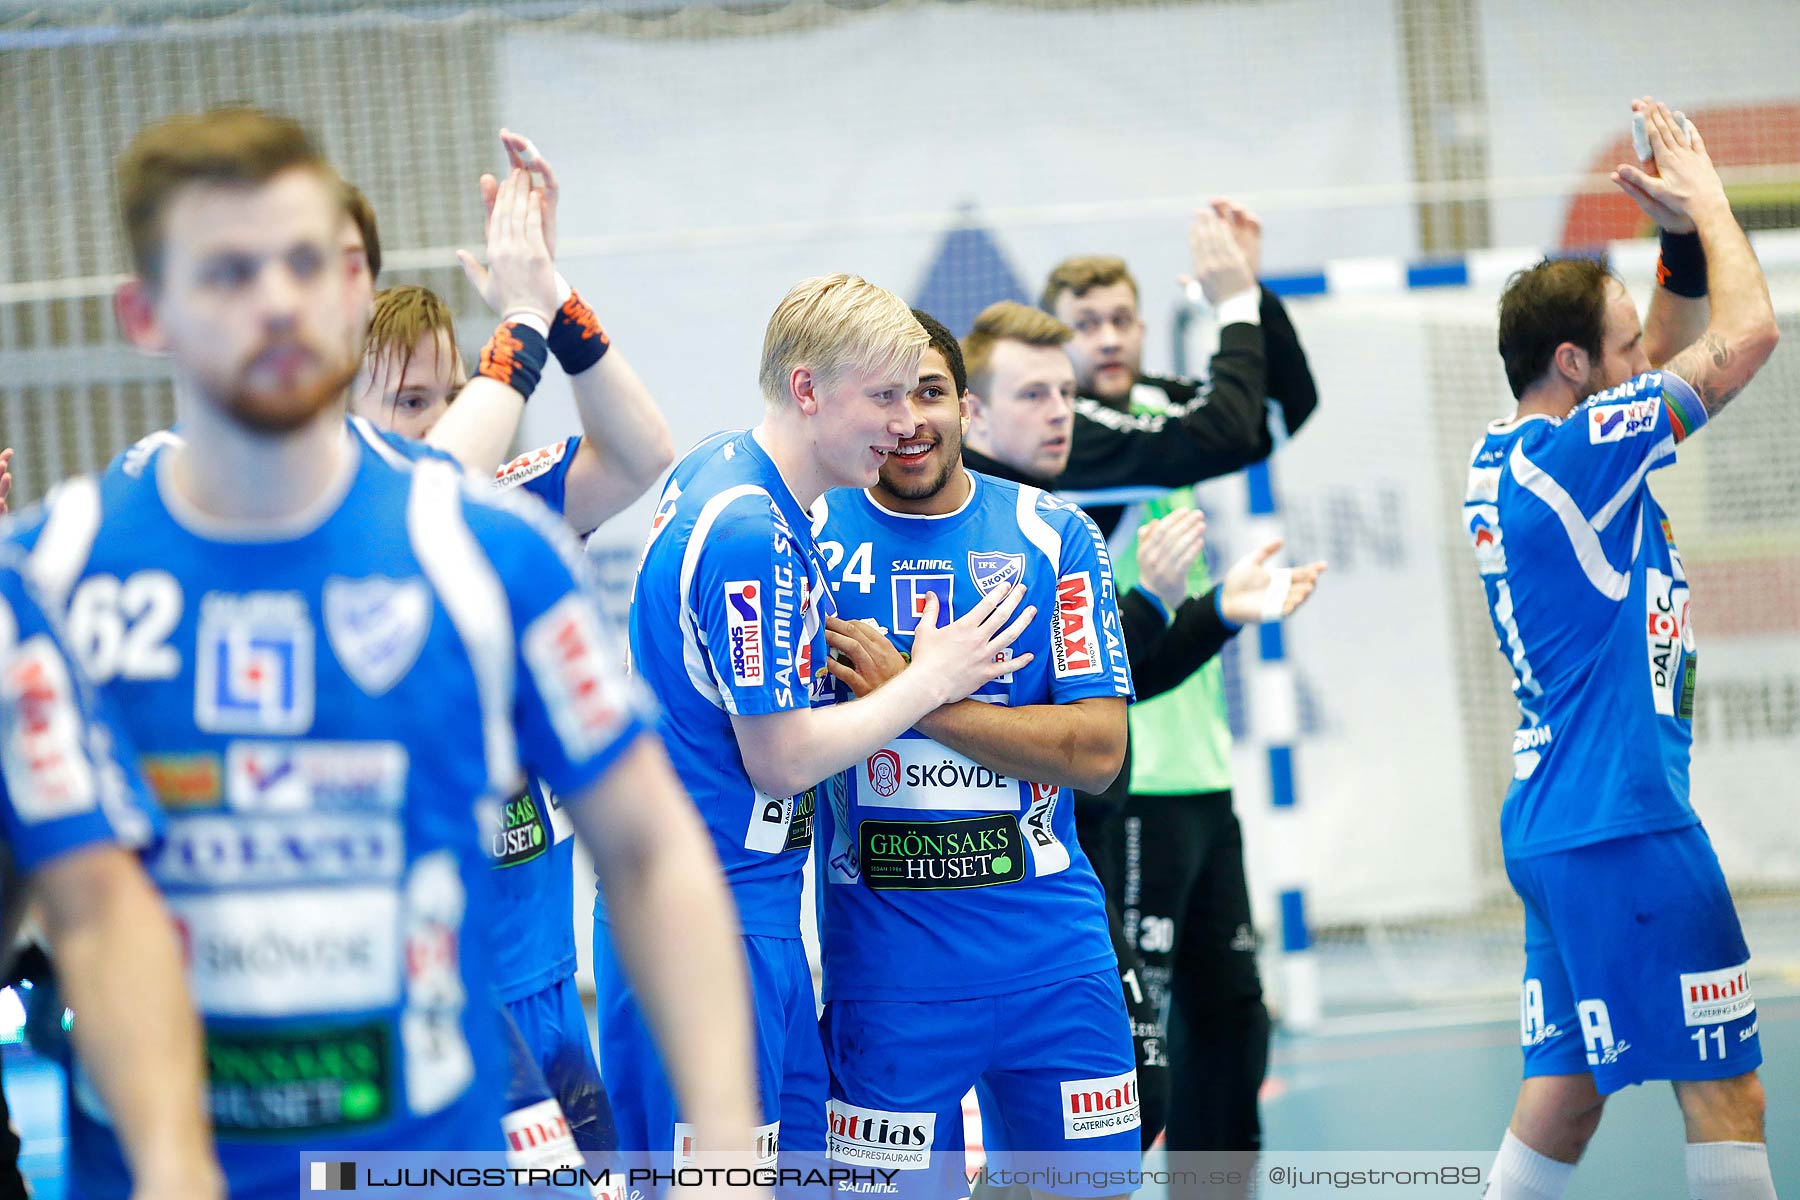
1007,321
833,323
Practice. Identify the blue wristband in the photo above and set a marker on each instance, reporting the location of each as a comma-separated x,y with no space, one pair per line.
1219,607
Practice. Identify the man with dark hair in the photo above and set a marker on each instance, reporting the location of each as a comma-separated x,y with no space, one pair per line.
343,662
1022,435
1635,965
961,824
1177,839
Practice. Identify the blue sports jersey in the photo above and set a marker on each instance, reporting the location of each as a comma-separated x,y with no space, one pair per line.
1590,605
728,618
65,765
940,878
328,712
534,848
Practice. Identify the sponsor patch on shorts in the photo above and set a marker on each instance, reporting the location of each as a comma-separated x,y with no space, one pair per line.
872,1137
1097,1107
1714,997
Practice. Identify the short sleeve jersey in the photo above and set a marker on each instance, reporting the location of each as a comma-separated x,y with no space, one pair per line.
728,619
68,775
534,847
1589,604
329,714
941,878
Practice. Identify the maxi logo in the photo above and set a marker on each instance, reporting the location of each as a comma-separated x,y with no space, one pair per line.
231,851
744,631
1072,647
870,1137
941,855
312,1081
253,663
993,570
1616,422
910,593
569,658
42,742
521,836
529,465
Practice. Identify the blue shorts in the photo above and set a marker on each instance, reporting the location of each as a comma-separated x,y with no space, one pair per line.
554,1027
1053,1065
790,1066
1635,965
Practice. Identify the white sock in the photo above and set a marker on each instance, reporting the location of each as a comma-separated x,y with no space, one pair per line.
1521,1173
1729,1171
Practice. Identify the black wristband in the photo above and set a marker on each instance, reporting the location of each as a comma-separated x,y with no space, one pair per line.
1681,268
515,356
576,337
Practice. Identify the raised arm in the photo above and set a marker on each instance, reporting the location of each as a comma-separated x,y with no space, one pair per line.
519,284
625,442
137,1034
1740,331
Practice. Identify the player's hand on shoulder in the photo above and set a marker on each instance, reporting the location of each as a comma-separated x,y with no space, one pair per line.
861,656
961,656
520,276
1679,180
1254,592
1217,262
6,457
1167,549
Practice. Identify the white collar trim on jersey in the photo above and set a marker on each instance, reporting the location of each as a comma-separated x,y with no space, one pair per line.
884,510
254,529
1509,426
755,436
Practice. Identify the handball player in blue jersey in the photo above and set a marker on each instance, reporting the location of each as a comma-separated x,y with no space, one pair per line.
336,665
74,813
1635,965
412,372
727,628
964,931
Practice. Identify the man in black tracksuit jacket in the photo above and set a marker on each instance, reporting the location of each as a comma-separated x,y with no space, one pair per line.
1199,430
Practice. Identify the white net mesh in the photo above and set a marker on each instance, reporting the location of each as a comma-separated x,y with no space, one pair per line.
711,154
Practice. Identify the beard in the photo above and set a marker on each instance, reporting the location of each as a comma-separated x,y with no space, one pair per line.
922,489
278,409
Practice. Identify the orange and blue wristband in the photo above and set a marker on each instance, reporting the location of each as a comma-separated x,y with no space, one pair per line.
515,356
576,337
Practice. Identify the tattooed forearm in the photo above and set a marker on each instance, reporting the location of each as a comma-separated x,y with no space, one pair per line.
1710,366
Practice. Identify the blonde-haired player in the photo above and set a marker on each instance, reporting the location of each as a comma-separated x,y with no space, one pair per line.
727,628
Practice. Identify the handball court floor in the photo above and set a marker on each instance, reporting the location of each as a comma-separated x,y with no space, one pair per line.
1425,1080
